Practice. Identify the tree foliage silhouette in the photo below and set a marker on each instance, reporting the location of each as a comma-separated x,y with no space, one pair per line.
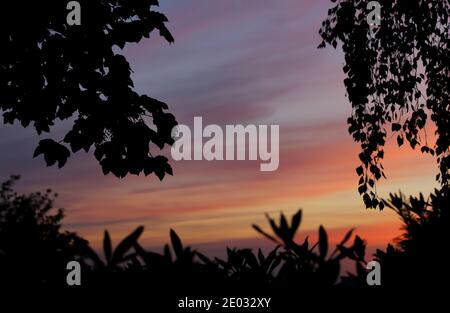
33,248
51,71
397,77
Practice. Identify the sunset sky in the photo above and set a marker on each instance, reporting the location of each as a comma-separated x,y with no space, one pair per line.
233,62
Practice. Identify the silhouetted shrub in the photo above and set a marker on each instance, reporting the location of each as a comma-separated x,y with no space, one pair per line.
420,257
33,249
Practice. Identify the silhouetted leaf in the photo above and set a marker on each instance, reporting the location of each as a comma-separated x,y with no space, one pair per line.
295,223
126,244
359,247
396,127
359,170
53,152
259,230
323,242
176,244
107,246
347,236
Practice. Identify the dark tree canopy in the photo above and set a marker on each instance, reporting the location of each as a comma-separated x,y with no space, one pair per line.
397,80
51,71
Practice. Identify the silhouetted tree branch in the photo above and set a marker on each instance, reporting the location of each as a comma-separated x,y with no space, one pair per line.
51,71
397,77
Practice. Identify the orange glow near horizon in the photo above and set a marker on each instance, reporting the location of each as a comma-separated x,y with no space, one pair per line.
233,62
222,210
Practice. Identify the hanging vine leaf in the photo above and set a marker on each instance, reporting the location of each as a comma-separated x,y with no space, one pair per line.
397,79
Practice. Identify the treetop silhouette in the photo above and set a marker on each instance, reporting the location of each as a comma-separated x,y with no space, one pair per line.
51,71
33,246
397,78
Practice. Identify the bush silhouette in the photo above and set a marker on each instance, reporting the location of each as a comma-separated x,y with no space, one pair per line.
309,265
419,257
30,229
33,249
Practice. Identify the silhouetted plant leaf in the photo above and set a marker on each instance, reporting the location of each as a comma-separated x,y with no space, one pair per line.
274,227
323,242
284,227
259,230
295,223
176,244
347,236
53,152
126,244
360,248
107,246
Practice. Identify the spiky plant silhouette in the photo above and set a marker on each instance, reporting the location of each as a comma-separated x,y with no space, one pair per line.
309,264
30,229
115,258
